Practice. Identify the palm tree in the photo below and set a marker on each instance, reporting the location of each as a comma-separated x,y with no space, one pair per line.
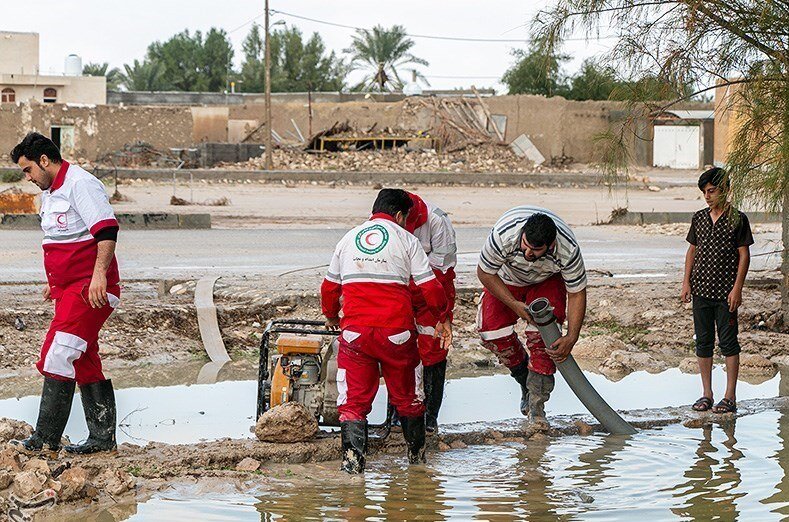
143,76
380,52
103,69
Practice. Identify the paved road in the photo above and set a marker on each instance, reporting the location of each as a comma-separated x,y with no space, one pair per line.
158,254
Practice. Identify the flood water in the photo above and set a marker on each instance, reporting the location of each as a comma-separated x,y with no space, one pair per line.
735,472
189,413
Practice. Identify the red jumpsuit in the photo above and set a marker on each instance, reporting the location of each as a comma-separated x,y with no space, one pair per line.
73,211
435,233
368,279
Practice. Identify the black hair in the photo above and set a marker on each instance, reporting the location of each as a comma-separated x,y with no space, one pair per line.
540,230
34,146
716,176
392,201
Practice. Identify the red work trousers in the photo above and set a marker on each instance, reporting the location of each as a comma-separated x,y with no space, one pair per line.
496,324
71,348
365,354
430,351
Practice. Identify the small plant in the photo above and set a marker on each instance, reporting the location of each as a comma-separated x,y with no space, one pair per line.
12,176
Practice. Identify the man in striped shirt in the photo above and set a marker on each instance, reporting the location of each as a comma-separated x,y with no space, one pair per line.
530,253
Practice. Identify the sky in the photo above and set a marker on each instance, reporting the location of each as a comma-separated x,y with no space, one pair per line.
119,31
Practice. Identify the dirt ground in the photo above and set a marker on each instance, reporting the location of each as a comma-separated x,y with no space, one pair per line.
643,321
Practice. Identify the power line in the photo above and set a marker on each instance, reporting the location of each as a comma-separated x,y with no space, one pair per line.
426,36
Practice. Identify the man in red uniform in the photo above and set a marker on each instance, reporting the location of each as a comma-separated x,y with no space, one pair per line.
435,233
80,233
368,280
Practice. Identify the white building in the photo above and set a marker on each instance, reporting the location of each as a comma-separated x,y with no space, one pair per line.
20,80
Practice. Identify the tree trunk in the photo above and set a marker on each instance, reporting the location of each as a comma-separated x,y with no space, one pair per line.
785,266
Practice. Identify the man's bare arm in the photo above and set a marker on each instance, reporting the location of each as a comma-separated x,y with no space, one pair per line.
499,290
97,293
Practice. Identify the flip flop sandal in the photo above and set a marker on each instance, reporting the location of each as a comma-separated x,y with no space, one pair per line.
725,406
703,404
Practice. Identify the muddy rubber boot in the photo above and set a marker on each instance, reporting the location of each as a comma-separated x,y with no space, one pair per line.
521,374
540,387
393,418
353,435
414,435
98,401
53,413
433,382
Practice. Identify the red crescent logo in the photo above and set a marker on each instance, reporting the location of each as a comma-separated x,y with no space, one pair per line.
61,219
367,239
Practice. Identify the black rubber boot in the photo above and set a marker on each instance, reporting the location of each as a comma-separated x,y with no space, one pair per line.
98,401
53,413
353,435
414,435
433,378
540,388
521,374
394,418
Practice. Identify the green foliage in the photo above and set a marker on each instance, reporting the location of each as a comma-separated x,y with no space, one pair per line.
382,53
103,69
143,76
191,62
12,176
296,65
536,72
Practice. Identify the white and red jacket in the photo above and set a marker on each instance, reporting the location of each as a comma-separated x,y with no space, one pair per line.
73,210
371,269
433,228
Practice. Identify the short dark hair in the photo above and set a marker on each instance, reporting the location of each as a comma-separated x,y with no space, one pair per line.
540,230
34,146
391,201
716,176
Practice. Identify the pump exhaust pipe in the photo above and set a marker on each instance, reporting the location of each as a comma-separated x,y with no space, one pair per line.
542,313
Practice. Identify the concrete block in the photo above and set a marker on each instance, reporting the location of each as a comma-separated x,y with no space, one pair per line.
194,221
524,148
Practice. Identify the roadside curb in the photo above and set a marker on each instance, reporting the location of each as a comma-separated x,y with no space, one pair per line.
665,218
126,221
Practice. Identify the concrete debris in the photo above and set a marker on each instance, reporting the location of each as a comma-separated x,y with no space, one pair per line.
289,422
483,158
248,464
28,484
621,363
597,347
116,482
524,148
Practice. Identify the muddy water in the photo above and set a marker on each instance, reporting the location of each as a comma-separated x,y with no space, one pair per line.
189,413
740,471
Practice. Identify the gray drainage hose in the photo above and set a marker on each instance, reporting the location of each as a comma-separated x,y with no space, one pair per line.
542,313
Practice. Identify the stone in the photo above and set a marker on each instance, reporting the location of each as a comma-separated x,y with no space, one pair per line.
623,362
14,429
752,363
654,188
28,484
656,315
9,460
689,365
116,482
443,446
289,422
458,444
74,483
583,428
248,464
597,347
38,465
6,479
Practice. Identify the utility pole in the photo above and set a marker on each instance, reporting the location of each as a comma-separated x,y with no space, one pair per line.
269,161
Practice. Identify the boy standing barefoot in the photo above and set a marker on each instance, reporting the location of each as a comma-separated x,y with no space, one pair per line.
715,268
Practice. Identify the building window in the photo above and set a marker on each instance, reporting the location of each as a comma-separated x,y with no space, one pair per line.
50,95
7,95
